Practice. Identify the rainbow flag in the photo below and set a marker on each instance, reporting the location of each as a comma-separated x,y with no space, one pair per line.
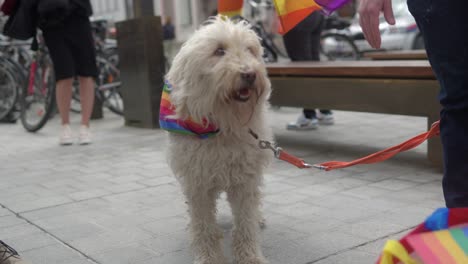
184,127
291,12
444,246
230,8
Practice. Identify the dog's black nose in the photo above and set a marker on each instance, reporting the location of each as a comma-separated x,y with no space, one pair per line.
248,77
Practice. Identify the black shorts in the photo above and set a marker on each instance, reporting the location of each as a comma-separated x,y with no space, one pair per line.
71,47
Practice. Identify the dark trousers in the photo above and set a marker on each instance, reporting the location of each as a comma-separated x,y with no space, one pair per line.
445,29
303,44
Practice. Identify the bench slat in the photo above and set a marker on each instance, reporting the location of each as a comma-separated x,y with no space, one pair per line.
397,55
406,69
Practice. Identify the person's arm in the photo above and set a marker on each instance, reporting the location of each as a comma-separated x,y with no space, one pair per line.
369,11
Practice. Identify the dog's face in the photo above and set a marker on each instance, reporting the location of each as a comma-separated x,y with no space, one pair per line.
219,71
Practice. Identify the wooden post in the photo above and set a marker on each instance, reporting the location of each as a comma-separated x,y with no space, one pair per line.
143,8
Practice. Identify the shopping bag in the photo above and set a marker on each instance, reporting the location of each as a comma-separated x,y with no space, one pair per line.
442,238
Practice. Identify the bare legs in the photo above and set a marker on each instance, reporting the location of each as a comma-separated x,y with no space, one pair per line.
64,95
86,98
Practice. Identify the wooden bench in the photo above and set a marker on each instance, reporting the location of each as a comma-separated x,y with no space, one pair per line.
388,87
397,55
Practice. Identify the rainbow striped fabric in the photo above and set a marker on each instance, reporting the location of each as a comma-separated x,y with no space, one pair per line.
184,127
444,246
291,12
230,8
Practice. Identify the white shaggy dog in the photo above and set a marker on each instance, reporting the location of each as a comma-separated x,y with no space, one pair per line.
218,78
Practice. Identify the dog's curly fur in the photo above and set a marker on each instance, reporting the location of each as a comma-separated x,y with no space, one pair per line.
209,82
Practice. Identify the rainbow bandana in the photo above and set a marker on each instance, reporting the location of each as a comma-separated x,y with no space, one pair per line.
184,127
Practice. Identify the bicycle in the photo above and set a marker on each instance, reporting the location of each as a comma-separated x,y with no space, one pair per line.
107,88
8,89
335,42
13,60
38,96
271,50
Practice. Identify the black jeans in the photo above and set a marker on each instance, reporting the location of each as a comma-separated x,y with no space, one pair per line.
444,26
303,44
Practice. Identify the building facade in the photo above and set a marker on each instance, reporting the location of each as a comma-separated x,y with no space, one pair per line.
186,15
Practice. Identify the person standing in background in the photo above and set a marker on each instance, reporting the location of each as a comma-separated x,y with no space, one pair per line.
303,44
68,35
168,38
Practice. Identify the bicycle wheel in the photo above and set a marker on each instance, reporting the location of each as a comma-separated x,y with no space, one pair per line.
109,85
8,89
336,46
38,98
75,104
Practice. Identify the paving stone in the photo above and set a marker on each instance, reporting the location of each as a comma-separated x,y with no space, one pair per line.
32,241
4,212
88,194
124,255
394,184
350,257
53,254
285,198
39,203
10,220
18,231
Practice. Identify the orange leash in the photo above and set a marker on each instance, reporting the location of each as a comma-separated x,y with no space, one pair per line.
332,165
384,154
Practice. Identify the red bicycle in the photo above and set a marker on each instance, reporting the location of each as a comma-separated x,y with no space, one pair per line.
37,99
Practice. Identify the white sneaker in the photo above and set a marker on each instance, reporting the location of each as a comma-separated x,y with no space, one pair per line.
66,137
303,123
325,119
85,135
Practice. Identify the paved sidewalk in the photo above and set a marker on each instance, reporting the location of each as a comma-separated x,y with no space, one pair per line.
116,202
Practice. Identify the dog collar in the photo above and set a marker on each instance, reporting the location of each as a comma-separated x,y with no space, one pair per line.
179,126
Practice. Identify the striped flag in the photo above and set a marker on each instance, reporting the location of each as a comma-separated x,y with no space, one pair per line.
230,8
291,12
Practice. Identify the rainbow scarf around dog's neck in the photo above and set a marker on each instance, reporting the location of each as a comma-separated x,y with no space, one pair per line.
184,127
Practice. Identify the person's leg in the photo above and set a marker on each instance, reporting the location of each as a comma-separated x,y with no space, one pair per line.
80,40
64,70
443,26
63,94
86,98
309,113
303,44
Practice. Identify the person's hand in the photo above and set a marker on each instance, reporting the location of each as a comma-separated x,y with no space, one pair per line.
369,11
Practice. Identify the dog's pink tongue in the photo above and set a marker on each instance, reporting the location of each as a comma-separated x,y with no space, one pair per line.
244,92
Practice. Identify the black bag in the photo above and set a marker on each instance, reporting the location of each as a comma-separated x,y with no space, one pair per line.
8,7
22,22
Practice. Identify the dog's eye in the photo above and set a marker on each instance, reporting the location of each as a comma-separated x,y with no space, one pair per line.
252,50
220,52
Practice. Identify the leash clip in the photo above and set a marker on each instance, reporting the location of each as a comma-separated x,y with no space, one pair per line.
263,144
